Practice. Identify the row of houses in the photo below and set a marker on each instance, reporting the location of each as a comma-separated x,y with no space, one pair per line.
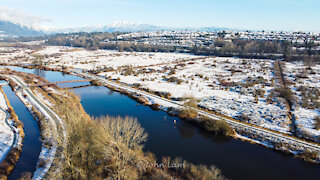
200,38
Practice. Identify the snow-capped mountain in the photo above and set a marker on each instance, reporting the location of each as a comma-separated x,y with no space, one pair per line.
128,27
8,29
117,26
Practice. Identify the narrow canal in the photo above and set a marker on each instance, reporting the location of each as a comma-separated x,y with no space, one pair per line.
31,145
236,159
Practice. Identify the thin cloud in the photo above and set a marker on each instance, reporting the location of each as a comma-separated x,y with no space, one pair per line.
289,2
20,17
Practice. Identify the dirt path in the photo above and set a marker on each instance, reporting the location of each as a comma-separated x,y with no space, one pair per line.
235,124
292,117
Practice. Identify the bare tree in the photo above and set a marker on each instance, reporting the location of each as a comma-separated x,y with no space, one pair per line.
38,60
126,130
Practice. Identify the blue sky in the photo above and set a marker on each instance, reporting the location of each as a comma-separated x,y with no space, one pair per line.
244,14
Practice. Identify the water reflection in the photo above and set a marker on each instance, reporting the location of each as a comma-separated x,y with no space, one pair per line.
111,92
186,130
63,73
39,72
96,87
31,144
236,159
215,138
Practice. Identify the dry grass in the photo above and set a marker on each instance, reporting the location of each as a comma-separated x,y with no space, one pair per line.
188,113
100,148
218,127
190,171
26,176
308,156
9,162
105,147
96,83
317,122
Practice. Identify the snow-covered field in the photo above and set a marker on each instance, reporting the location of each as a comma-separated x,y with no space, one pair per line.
11,54
81,58
6,134
307,106
232,86
47,154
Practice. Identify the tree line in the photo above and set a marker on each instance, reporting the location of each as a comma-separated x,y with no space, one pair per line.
263,49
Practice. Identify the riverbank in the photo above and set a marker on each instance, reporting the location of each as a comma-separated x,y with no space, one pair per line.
49,124
48,121
281,142
186,141
12,135
235,87
59,99
246,134
170,136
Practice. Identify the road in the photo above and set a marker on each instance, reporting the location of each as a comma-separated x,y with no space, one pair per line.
259,130
53,115
56,120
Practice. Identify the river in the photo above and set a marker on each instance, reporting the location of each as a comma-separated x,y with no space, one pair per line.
31,145
237,159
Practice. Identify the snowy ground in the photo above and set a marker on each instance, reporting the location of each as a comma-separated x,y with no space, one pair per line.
220,84
9,54
6,135
81,58
301,75
230,86
47,154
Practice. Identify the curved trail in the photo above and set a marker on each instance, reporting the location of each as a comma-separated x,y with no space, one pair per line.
259,130
55,118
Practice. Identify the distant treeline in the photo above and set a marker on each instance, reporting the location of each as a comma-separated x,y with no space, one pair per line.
239,48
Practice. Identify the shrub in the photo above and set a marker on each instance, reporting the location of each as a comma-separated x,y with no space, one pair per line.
309,155
188,113
285,93
42,163
191,102
317,122
128,71
190,171
172,72
12,84
244,118
95,83
155,107
26,176
175,80
260,92
137,85
218,127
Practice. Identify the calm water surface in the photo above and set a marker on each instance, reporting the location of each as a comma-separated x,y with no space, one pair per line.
236,159
31,145
52,76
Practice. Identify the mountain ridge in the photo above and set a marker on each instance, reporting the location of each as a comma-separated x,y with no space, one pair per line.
130,27
9,30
